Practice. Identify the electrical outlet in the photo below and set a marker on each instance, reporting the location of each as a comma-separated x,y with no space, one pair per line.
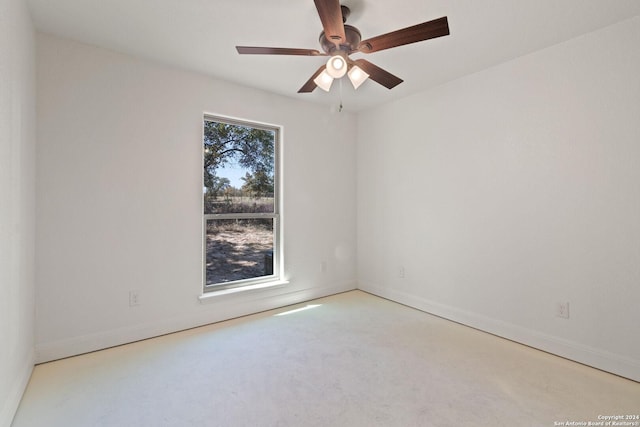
134,298
401,272
323,266
562,310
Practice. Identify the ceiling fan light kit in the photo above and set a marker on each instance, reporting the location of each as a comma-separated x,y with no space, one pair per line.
339,40
325,79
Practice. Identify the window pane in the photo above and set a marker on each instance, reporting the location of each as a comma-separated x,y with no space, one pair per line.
239,249
239,169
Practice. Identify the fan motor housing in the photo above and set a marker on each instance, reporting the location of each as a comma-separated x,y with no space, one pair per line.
353,37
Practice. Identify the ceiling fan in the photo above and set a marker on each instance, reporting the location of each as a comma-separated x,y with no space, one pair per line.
339,40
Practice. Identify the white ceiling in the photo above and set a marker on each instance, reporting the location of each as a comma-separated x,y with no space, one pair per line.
201,35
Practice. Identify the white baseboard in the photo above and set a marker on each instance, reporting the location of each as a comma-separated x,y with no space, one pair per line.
228,307
594,357
16,390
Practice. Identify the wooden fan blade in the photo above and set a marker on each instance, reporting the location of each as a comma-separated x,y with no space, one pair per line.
425,31
252,50
379,75
310,85
331,18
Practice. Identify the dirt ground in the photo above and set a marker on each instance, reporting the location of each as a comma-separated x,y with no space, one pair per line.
238,252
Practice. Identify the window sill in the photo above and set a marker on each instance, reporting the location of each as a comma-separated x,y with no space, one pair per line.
212,296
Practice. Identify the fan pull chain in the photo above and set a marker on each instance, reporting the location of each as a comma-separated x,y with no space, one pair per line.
340,107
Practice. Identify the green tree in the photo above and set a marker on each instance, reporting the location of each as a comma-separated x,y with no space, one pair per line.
249,147
258,184
217,186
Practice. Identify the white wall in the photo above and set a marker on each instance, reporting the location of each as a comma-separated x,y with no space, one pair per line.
119,188
17,197
507,191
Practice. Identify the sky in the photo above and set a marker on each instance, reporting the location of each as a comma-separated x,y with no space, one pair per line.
233,172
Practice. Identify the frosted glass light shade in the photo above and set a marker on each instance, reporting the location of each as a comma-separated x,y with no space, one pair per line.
324,81
357,76
336,66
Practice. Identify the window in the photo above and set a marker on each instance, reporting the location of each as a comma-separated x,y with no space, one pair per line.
241,203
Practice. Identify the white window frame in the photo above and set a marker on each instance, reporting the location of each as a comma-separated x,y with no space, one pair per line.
276,277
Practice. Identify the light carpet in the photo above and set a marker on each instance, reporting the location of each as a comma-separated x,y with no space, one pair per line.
347,360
